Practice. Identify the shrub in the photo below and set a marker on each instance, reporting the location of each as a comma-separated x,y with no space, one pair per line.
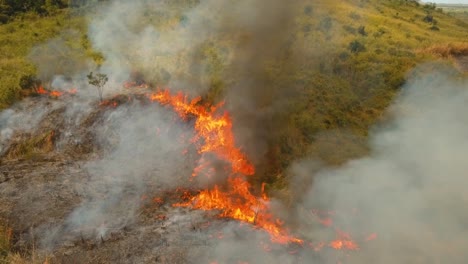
349,29
308,10
29,81
428,18
4,19
354,16
362,30
326,24
356,46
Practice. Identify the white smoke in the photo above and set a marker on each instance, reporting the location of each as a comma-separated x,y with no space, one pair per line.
410,190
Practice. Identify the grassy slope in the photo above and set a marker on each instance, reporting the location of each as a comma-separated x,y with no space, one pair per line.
345,93
335,94
16,40
338,94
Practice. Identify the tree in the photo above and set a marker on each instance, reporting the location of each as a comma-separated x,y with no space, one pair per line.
98,80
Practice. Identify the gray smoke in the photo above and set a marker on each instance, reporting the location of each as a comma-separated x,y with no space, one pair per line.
410,190
144,148
19,119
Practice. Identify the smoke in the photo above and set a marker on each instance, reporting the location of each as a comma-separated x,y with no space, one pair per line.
144,152
20,119
234,51
58,61
409,191
411,188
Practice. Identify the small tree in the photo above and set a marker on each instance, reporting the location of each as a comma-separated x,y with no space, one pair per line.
98,80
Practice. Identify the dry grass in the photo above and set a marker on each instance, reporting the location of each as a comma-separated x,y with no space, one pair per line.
7,256
448,50
18,259
39,144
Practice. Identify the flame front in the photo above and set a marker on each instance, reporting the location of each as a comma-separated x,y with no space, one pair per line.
54,93
235,200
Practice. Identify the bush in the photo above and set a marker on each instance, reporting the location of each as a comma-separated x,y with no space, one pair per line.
308,10
428,18
4,19
326,24
362,30
354,16
356,46
349,29
29,81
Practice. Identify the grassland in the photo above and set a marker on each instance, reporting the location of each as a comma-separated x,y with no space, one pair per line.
16,40
456,10
366,50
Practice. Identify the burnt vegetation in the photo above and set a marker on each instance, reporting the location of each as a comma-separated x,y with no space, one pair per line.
317,77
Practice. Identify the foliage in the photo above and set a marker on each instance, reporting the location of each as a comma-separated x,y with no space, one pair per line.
333,91
355,46
12,7
99,81
19,36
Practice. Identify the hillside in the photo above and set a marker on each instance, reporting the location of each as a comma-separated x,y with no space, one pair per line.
308,82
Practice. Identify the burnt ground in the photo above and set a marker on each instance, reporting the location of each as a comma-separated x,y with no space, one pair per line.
36,196
44,177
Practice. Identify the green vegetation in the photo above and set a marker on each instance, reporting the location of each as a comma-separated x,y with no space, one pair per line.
19,36
356,55
98,81
457,11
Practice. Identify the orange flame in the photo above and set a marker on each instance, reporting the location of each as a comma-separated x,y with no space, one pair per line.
344,241
235,200
54,93
41,90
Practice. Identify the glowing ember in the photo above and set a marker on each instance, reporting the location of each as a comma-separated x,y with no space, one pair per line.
55,93
41,90
343,242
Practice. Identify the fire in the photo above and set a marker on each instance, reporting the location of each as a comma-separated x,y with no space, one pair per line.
41,90
215,129
235,200
344,241
54,93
